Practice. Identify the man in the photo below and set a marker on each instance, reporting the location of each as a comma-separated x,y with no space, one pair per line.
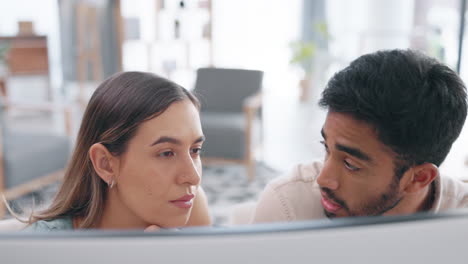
392,118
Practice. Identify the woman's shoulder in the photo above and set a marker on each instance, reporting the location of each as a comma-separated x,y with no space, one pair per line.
63,223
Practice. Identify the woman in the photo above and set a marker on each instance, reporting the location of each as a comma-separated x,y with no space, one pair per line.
136,163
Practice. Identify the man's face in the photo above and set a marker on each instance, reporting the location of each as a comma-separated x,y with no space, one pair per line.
358,177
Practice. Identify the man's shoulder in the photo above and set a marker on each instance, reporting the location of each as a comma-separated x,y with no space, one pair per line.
295,196
453,193
300,175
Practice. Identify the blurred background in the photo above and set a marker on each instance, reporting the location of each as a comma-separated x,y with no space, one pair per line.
54,53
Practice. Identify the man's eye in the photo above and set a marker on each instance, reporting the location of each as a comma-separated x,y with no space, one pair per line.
167,154
350,167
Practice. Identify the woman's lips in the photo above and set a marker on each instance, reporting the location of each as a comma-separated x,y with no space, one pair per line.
184,202
329,205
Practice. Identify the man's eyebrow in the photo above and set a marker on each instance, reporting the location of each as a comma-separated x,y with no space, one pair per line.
165,139
354,152
323,134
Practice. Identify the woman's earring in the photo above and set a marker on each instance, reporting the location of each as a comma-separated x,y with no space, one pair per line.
111,184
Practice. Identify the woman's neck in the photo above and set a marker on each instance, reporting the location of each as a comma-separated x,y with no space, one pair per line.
118,216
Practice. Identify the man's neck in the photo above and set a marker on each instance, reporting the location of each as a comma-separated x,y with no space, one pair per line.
420,201
428,202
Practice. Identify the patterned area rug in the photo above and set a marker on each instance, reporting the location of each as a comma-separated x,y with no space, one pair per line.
225,186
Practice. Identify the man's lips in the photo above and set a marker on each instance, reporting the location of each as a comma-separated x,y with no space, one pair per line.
328,204
185,201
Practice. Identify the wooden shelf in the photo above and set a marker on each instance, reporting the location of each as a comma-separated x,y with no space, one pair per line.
27,55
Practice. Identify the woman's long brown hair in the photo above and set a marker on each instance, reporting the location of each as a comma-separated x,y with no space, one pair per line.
116,109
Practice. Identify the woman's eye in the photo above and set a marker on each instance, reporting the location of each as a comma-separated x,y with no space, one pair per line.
350,167
167,154
196,151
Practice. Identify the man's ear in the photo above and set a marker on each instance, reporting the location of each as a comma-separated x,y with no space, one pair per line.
421,176
104,162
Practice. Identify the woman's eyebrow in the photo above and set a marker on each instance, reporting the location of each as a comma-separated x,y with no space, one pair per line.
166,139
200,139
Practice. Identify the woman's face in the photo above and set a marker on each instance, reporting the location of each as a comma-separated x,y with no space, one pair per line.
160,171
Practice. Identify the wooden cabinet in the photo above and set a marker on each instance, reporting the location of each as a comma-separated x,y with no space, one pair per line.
27,55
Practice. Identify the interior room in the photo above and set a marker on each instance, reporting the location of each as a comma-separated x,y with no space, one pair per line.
268,59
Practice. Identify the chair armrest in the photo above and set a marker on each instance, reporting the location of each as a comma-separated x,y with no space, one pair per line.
45,107
251,106
253,103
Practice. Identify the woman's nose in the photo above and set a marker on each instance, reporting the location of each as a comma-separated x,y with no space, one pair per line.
190,172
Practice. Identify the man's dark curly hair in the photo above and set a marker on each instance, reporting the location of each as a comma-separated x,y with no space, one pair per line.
416,104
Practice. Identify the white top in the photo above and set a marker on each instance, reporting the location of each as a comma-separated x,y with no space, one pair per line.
297,196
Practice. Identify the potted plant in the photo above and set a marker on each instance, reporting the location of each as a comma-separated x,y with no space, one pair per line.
303,54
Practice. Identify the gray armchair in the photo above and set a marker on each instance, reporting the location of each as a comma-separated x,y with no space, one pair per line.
230,101
30,160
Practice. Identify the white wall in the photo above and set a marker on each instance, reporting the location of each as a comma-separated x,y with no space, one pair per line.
256,34
362,26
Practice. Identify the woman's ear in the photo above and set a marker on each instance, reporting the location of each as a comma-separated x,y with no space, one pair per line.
104,162
422,176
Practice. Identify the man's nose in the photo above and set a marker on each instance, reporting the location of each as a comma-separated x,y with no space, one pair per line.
329,175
